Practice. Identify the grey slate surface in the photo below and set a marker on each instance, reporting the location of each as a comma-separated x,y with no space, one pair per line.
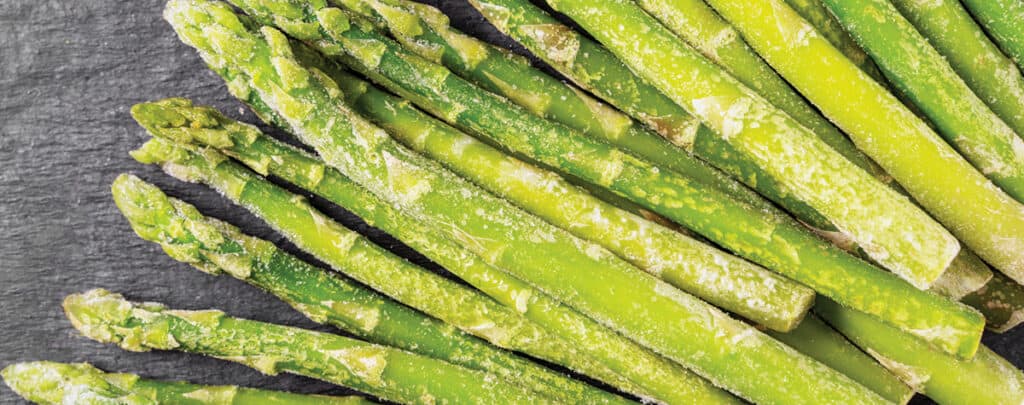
69,71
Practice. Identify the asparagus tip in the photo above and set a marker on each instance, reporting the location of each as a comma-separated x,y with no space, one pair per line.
50,382
107,317
178,120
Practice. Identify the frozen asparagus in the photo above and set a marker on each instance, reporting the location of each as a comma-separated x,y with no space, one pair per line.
718,277
50,383
384,372
655,376
697,24
1004,22
939,179
985,379
576,272
351,254
816,339
815,13
863,208
738,226
925,76
591,66
424,30
219,248
1001,301
957,37
596,69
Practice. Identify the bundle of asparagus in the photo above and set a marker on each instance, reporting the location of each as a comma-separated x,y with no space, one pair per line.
556,209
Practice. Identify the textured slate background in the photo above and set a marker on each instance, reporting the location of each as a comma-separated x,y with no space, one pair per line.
69,71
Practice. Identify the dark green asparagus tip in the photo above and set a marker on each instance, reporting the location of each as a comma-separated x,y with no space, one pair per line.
183,232
107,317
139,202
46,382
178,120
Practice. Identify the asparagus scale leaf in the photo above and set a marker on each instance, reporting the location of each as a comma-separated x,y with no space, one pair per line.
385,372
580,274
50,383
219,248
656,376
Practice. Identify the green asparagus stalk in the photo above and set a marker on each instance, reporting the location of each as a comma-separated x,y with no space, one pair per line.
666,380
219,248
790,249
581,274
919,250
596,69
415,25
591,66
425,30
47,383
870,114
353,255
385,372
697,24
979,62
985,379
816,339
921,72
1001,301
719,278
815,13
1004,22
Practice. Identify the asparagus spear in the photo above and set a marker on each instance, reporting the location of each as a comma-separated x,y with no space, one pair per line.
816,339
385,372
1001,301
370,264
958,38
815,13
697,24
1004,22
424,30
46,383
654,375
861,207
217,248
580,274
985,379
665,192
920,72
965,275
877,121
719,278
591,66
596,69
